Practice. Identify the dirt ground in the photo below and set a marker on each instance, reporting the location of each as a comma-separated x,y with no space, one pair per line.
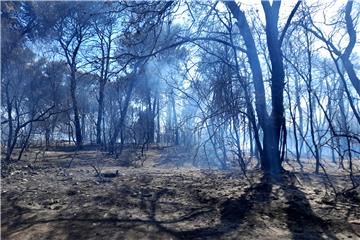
58,196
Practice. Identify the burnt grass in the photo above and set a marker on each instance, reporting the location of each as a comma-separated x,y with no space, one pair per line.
163,199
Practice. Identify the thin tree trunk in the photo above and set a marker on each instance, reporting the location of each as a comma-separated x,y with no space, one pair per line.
25,143
120,123
158,121
311,107
10,125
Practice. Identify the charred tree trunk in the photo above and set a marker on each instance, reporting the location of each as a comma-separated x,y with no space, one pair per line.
25,143
345,57
158,121
311,105
118,128
274,125
175,123
293,119
83,125
252,153
105,45
78,135
100,112
300,110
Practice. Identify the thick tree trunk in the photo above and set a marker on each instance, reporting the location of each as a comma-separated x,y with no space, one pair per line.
104,142
150,118
175,123
271,125
79,140
275,123
251,140
83,125
270,159
100,112
47,137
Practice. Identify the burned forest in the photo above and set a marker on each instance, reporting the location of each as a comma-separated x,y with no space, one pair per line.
180,120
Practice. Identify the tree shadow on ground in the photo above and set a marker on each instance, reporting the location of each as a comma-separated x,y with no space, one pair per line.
231,214
302,222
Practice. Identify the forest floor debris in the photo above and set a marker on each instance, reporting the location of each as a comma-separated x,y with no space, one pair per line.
51,201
